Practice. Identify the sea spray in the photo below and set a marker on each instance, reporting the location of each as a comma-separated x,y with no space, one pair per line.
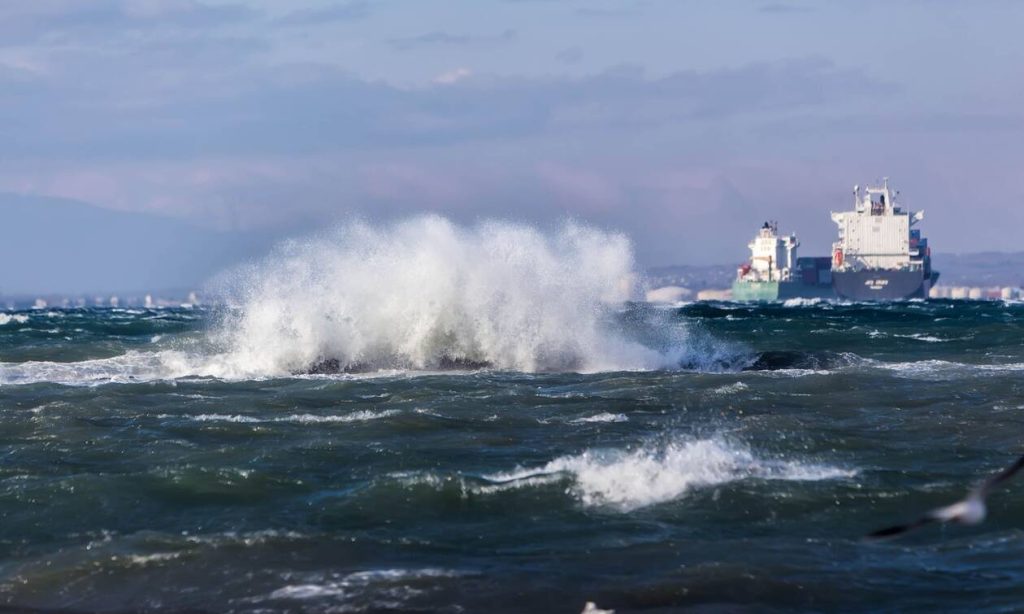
421,294
425,293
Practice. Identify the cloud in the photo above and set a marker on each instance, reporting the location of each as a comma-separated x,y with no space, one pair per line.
339,12
581,188
780,8
210,102
445,39
63,20
214,138
453,76
569,55
612,11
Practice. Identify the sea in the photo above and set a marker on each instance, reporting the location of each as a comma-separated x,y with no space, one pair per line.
400,429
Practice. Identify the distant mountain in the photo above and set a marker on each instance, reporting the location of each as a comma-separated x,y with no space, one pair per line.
57,245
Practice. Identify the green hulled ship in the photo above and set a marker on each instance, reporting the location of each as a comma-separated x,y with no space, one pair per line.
774,273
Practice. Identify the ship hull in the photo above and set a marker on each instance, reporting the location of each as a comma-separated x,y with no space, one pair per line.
880,285
778,291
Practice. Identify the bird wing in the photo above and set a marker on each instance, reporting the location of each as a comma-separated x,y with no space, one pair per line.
900,529
962,511
957,510
1000,477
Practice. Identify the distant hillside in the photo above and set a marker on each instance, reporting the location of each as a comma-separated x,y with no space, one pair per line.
55,245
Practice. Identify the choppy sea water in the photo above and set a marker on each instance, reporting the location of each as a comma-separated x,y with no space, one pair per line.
149,463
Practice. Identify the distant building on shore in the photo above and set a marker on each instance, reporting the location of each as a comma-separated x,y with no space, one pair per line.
977,293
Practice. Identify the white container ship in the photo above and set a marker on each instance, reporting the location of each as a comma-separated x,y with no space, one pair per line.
878,255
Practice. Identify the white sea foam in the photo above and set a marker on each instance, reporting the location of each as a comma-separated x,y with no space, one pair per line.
223,418
730,388
602,417
356,416
632,479
127,367
146,559
801,302
944,369
391,584
6,318
922,337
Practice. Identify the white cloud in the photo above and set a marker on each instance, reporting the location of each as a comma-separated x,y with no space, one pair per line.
453,76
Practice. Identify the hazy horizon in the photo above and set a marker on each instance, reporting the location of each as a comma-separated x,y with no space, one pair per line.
683,125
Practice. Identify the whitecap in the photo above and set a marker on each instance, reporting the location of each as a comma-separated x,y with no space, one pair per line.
627,480
944,369
142,560
801,302
225,418
922,337
366,583
356,416
730,388
601,417
18,318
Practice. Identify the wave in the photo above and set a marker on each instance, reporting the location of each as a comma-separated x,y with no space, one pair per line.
802,302
356,416
372,590
630,479
777,360
701,354
943,369
129,367
602,417
922,337
18,318
687,351
428,294
730,388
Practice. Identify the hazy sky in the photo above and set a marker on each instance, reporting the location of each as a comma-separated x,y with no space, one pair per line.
683,123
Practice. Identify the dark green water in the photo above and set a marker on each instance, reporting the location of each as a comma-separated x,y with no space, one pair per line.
132,479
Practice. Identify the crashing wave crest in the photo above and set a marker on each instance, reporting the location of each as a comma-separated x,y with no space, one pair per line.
657,472
426,293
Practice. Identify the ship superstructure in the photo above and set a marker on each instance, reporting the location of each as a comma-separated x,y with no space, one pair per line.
775,273
771,256
878,255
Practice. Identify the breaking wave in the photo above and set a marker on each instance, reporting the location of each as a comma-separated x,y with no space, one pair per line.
18,318
427,294
630,479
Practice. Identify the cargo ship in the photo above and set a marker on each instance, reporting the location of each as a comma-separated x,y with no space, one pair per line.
774,273
879,256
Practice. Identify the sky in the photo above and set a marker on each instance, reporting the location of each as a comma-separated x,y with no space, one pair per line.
683,123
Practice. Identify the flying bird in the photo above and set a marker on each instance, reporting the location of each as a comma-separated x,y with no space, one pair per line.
971,510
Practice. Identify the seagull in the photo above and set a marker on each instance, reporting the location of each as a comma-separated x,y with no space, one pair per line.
971,510
591,608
